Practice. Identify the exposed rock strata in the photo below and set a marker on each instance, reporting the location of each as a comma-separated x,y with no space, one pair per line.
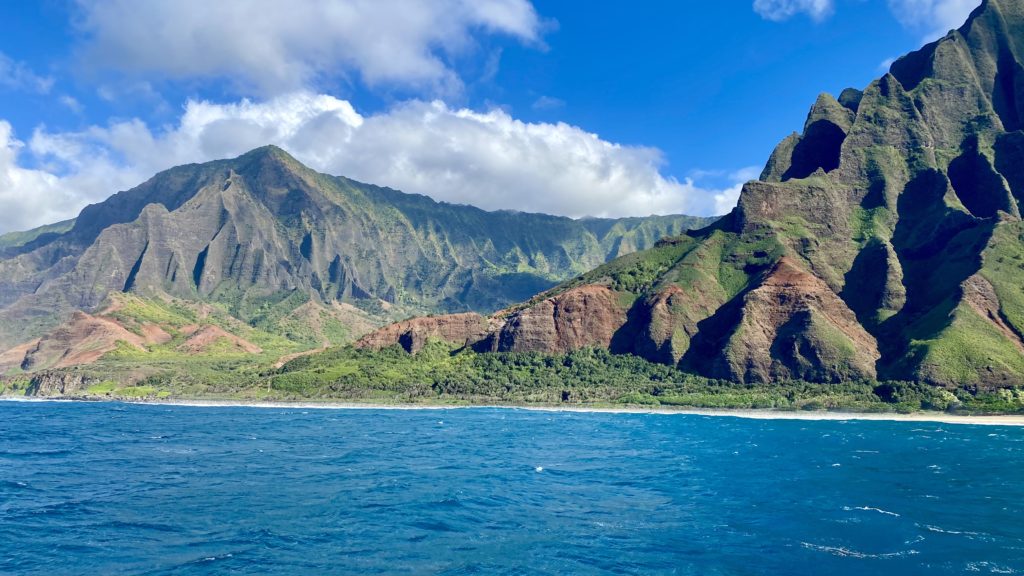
463,329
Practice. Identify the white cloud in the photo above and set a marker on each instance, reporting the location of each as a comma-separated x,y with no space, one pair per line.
18,75
935,17
488,159
779,10
27,197
278,47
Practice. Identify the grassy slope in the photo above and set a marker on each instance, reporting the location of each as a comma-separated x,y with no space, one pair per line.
20,238
970,348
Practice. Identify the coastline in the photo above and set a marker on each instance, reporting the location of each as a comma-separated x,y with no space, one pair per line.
751,414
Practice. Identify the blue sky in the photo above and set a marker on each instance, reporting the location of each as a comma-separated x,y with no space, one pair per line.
599,108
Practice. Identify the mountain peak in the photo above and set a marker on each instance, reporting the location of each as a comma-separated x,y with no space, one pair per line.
269,155
268,151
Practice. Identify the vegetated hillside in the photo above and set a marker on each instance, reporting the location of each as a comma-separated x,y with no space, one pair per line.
11,241
883,242
262,235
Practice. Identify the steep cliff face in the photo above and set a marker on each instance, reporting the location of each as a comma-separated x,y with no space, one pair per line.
464,329
250,232
577,318
580,317
884,241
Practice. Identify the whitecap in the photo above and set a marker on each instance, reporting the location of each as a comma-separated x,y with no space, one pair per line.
945,531
847,553
871,509
992,568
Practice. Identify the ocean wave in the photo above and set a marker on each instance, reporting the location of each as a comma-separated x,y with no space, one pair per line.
871,509
931,528
990,567
848,553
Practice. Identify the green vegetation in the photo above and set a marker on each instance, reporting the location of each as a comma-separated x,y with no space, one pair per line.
793,227
970,351
15,386
440,374
134,311
1004,266
17,239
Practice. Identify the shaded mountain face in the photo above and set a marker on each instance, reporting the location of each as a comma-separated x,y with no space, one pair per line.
883,242
263,231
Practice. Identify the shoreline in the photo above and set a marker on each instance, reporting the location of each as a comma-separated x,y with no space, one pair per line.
751,414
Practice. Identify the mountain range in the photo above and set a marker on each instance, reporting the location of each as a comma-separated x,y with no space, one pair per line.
314,258
883,242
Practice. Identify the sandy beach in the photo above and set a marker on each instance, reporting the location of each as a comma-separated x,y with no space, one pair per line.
935,417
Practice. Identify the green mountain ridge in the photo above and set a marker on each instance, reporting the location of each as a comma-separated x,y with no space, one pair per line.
883,242
262,235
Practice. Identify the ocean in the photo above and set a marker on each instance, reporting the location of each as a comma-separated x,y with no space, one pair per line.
110,488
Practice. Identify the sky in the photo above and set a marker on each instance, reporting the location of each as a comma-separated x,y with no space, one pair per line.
600,108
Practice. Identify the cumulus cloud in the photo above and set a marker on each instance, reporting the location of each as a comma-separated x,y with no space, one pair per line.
779,10
487,159
278,46
935,17
27,197
18,75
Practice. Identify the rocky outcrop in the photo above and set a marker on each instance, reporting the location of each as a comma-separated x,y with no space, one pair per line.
586,316
57,384
462,329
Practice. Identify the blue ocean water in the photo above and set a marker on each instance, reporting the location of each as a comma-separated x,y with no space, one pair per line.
107,488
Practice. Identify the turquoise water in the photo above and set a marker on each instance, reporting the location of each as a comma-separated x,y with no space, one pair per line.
110,488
